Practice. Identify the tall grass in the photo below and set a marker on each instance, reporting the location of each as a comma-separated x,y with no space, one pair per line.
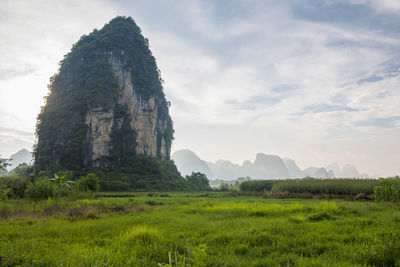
388,190
257,186
311,186
327,186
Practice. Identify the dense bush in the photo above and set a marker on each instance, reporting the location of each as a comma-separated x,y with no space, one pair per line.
388,190
142,174
114,186
15,184
257,186
42,189
3,193
327,186
88,183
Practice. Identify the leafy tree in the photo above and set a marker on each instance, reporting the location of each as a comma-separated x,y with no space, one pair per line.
198,181
3,164
23,169
223,187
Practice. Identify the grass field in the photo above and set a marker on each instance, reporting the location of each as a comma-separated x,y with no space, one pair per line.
199,230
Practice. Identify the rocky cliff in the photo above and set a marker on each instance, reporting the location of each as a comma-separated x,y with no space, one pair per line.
106,104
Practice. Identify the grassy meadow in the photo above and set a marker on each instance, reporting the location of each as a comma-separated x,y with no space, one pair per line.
198,229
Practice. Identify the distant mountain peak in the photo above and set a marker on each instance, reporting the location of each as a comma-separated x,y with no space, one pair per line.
265,166
187,162
22,156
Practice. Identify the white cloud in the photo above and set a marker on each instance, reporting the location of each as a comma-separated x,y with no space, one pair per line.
382,6
34,37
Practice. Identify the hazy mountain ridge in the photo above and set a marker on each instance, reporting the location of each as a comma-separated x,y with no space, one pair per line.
264,167
187,161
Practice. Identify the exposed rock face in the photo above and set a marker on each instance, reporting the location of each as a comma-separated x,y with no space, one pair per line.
99,124
144,113
142,116
107,103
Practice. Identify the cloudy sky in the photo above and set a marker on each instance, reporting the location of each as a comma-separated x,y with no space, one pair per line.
313,80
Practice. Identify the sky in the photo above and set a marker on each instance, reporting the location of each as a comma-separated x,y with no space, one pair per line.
317,81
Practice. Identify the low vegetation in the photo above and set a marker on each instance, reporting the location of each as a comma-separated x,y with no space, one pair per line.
35,188
22,182
198,229
356,189
61,220
257,185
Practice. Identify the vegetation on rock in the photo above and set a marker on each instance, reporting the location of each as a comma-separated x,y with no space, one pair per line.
85,81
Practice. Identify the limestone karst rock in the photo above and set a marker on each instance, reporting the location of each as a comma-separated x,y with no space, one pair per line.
106,103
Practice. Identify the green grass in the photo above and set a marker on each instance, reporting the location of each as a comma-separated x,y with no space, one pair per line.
194,230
